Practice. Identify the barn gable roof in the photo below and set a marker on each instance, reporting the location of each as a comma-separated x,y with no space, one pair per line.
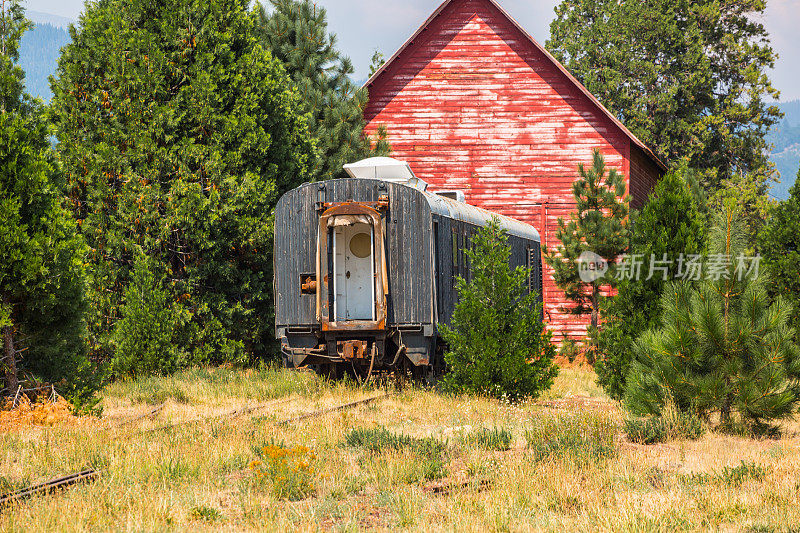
436,14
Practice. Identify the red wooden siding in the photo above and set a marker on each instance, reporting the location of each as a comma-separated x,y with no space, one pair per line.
472,105
644,174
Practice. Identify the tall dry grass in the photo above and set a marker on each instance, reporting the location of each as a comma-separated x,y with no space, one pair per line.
560,464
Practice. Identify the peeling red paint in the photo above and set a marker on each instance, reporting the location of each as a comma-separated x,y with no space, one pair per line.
474,104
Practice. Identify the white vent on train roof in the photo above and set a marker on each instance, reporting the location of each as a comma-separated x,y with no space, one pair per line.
386,169
458,196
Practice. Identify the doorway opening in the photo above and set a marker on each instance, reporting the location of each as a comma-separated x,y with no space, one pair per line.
354,272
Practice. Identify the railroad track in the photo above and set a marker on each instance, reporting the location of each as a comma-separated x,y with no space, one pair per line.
86,476
90,475
322,412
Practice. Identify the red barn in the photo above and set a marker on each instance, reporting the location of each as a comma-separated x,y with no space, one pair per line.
475,104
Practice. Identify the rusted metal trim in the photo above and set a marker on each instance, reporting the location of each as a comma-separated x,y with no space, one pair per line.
344,208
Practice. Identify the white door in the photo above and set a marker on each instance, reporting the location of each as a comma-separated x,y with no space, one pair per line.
354,272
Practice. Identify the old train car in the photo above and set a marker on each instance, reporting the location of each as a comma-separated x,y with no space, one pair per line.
366,268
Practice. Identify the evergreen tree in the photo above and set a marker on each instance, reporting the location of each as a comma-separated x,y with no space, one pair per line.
722,347
671,225
779,244
688,77
42,281
296,31
599,227
497,344
145,336
178,132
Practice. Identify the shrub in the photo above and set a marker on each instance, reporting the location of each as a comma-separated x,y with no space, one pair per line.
723,348
585,438
569,350
290,471
156,392
672,424
672,223
489,439
380,439
497,344
653,429
205,513
729,475
746,471
145,335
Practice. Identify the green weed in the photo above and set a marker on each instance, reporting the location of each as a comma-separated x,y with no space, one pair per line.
205,513
489,439
671,425
587,438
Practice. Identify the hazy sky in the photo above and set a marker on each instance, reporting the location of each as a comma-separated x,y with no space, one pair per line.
364,25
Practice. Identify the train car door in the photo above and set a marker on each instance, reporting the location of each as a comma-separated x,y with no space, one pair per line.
354,272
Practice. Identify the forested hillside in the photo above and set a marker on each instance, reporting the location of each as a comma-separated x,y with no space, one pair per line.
38,57
786,154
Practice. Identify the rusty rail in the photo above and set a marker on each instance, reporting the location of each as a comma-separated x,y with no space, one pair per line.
230,414
150,414
49,487
327,410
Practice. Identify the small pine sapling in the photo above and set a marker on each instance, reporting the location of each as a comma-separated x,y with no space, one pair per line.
598,227
724,351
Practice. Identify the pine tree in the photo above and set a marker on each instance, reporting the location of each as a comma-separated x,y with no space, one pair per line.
599,226
779,244
42,281
722,349
688,77
672,224
178,133
296,31
497,344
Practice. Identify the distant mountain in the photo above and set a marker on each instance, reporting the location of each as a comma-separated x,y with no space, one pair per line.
37,17
786,153
39,52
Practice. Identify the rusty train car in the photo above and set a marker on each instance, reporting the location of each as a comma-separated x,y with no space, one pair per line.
366,268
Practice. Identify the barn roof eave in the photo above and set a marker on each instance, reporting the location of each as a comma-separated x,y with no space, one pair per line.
634,139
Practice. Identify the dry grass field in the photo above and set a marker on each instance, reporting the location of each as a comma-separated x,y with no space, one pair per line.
414,460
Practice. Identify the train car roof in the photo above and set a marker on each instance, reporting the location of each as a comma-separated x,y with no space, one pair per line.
453,209
471,214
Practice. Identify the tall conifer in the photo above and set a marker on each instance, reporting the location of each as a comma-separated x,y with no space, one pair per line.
672,225
597,229
178,133
296,31
42,280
